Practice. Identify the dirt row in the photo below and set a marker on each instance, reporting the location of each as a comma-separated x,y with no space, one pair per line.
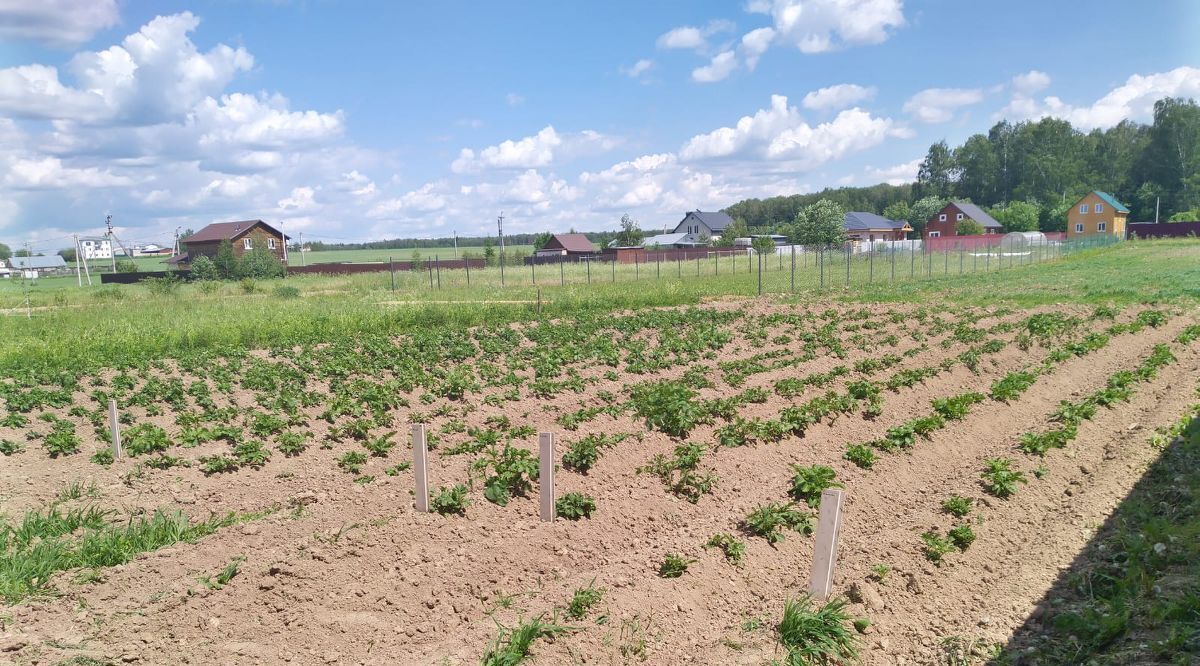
357,577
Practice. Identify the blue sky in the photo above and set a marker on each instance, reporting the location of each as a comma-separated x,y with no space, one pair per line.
359,120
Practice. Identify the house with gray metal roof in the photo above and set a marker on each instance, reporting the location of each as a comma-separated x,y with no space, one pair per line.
862,226
51,262
701,226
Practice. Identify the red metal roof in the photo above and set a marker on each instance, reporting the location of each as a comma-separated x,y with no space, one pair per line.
219,231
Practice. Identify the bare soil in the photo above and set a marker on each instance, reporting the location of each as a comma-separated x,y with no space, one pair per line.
358,577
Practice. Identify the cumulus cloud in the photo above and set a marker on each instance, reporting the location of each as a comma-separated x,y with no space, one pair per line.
722,65
1133,100
155,75
754,44
49,173
895,175
513,99
1031,82
818,26
691,37
56,22
837,97
638,68
780,133
538,150
300,199
938,105
425,199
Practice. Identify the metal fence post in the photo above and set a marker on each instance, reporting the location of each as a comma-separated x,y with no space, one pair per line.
847,264
437,262
871,264
467,264
821,262
392,270
793,269
759,273
562,273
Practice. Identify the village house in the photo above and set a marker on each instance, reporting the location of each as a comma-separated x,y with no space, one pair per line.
700,227
567,245
861,227
244,237
1096,213
945,221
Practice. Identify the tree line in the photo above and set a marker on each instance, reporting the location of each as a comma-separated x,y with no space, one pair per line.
1028,174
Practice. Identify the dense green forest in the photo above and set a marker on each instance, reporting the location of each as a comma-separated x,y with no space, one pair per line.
1034,168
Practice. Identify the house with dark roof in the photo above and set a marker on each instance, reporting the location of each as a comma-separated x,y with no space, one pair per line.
945,221
567,245
861,226
701,226
244,236
1097,213
38,263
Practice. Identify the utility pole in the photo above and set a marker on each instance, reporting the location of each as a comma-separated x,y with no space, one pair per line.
78,256
302,248
25,279
1157,200
112,246
500,232
175,250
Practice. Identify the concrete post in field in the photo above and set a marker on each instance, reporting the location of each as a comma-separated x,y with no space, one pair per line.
114,427
420,468
829,526
546,475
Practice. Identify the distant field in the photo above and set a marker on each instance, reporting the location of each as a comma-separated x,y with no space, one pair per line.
361,256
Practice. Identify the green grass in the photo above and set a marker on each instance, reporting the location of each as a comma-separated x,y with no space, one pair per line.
817,636
139,325
1133,596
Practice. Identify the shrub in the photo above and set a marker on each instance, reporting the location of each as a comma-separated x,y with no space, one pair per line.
667,406
770,520
999,479
817,636
203,269
285,292
673,566
248,285
732,547
957,506
936,546
583,599
574,506
449,500
861,455
512,469
809,482
162,286
962,536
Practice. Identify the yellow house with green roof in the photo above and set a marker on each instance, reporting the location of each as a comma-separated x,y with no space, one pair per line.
1097,213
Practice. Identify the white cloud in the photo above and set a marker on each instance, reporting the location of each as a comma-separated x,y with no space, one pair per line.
895,175
1133,100
157,74
49,173
1031,82
938,105
818,26
56,22
638,68
690,37
261,122
425,199
513,99
837,97
534,151
722,65
754,44
357,184
300,199
780,133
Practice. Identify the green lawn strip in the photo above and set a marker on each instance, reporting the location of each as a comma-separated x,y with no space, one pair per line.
1134,596
42,546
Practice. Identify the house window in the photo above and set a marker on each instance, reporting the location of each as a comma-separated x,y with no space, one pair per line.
248,243
1079,227
942,217
1099,208
1083,208
1103,226
936,234
270,243
958,218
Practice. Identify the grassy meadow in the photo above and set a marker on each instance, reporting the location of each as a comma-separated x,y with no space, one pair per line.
116,324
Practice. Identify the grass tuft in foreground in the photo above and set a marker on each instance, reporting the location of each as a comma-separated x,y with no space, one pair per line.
816,636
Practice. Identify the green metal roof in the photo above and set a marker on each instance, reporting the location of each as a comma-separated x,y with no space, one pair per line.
1111,200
